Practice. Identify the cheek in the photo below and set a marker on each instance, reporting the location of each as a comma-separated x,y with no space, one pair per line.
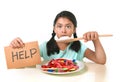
57,32
71,32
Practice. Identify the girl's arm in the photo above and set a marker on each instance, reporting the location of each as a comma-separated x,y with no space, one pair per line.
98,56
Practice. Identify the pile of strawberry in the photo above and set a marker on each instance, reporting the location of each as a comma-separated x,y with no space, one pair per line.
60,65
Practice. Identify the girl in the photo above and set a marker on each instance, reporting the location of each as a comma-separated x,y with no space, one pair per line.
65,24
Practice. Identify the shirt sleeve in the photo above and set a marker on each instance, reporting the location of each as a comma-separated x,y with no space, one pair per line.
83,47
42,48
82,51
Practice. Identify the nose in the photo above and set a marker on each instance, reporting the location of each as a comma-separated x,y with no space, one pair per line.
63,30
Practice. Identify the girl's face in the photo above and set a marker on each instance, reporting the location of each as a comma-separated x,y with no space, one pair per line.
64,27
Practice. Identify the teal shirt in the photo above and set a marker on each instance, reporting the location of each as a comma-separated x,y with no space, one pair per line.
67,53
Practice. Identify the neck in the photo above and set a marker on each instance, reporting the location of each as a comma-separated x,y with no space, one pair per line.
62,46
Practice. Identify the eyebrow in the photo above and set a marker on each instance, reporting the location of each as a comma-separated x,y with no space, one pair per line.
69,24
66,24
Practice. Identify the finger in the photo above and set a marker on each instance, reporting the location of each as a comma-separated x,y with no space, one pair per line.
88,36
84,37
95,36
19,42
92,36
13,45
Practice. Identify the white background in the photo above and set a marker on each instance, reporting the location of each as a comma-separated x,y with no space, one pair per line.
33,20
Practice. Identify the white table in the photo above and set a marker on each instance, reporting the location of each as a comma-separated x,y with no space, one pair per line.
92,73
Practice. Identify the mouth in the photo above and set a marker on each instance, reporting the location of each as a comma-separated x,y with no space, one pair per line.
64,37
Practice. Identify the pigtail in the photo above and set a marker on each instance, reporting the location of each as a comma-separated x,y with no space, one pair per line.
76,45
52,46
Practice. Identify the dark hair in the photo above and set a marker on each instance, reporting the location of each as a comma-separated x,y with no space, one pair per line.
67,15
52,46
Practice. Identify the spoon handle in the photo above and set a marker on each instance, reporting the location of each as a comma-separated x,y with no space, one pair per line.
81,38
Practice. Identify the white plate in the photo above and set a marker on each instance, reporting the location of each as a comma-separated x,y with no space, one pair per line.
79,63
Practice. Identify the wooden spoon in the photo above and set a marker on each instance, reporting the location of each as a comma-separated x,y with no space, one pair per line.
67,40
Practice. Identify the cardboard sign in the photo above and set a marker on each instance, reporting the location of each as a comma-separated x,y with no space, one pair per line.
29,55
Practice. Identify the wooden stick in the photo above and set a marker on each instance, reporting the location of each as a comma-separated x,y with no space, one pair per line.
81,38
105,35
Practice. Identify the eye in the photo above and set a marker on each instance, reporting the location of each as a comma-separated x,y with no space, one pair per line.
59,26
68,26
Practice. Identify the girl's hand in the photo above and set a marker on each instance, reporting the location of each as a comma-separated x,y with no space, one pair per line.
17,43
93,35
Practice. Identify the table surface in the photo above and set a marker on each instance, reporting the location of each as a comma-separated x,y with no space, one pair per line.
91,73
